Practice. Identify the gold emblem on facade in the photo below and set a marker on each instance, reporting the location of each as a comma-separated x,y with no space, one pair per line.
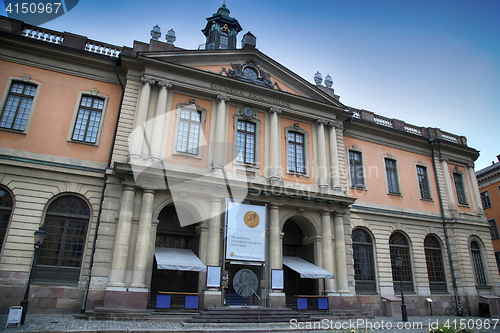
251,219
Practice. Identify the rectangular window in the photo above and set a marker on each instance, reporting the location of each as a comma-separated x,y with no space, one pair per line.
459,187
17,107
88,119
423,182
189,131
485,199
497,257
296,155
356,169
494,229
392,176
245,142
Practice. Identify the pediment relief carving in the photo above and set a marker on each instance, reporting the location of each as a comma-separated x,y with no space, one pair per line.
250,72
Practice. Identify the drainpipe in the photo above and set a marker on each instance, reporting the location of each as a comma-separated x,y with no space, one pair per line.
350,123
87,286
448,248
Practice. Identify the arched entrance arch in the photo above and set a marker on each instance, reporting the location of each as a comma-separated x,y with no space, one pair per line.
299,240
170,234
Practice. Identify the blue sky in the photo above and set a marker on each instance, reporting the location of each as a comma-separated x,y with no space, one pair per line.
433,63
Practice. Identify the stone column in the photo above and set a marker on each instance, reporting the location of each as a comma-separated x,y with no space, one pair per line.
138,133
142,247
158,129
220,131
275,259
213,255
122,238
326,234
322,179
274,143
213,296
277,298
334,157
448,184
340,259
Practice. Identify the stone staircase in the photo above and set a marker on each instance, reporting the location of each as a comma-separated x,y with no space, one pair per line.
248,315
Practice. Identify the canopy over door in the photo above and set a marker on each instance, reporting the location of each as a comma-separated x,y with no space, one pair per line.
306,269
178,259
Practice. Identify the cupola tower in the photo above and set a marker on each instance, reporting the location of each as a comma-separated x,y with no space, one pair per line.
221,30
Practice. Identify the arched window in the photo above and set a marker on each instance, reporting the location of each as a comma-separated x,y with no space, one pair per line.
6,204
61,254
364,272
398,245
434,260
224,40
478,263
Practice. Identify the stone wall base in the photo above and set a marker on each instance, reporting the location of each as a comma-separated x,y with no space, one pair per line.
114,299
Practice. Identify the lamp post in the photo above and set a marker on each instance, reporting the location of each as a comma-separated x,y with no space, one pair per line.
399,264
39,238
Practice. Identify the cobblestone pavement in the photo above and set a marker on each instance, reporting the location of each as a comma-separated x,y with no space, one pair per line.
67,323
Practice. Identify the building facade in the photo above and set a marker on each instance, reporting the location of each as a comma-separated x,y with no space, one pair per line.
231,180
488,180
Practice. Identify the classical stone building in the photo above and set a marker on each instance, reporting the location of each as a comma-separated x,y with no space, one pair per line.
234,181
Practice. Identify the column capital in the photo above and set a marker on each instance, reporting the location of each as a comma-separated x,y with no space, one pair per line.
223,98
321,121
148,191
470,165
338,213
273,205
164,84
274,110
324,212
335,124
147,81
444,159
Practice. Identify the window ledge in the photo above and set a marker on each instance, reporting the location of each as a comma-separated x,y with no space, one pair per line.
84,143
427,199
464,205
395,194
359,188
186,155
484,286
12,131
298,174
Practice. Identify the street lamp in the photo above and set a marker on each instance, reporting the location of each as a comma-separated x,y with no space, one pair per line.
39,237
399,265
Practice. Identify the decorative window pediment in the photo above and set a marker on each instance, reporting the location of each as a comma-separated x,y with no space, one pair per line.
250,72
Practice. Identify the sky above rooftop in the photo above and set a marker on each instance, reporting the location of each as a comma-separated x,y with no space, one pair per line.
432,63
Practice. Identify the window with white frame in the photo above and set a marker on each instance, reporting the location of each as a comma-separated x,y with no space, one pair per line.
485,199
189,131
494,229
245,142
296,152
18,104
190,119
423,182
356,169
391,173
88,119
458,179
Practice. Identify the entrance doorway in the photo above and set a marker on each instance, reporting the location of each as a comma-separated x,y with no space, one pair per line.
170,234
294,245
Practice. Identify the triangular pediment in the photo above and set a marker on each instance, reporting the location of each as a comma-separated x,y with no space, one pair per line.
249,66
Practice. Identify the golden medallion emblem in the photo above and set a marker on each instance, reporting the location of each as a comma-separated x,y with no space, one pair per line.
251,219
